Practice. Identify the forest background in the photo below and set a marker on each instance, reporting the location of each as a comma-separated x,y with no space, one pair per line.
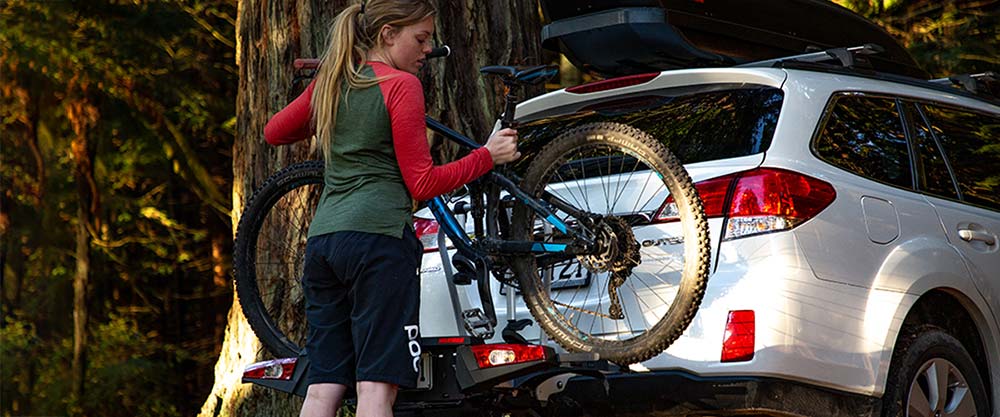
117,130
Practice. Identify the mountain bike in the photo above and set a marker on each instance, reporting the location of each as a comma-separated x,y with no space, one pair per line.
592,198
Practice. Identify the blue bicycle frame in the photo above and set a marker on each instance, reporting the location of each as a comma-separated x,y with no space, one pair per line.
456,232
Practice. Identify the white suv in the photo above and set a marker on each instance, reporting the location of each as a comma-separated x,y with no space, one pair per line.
854,223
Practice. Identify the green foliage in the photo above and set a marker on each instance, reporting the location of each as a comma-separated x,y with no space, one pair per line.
17,343
945,37
156,81
129,372
128,364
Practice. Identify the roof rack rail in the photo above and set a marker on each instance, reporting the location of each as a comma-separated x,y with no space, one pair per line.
844,56
973,83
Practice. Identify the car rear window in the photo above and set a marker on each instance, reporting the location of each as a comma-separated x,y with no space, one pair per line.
697,124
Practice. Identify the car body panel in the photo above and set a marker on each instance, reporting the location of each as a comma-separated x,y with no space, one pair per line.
829,296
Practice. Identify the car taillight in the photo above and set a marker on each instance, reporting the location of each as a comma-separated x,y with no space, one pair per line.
763,200
488,356
612,83
738,342
427,232
282,369
713,197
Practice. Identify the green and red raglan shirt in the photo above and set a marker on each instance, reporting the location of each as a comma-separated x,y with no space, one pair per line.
379,158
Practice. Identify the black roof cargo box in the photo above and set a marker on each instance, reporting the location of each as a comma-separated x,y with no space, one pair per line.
633,36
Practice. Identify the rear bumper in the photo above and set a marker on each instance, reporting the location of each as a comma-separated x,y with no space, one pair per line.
676,393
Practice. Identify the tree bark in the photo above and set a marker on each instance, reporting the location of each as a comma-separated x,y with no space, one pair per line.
82,115
270,35
80,281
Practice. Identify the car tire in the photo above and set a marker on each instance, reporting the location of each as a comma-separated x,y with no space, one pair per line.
926,360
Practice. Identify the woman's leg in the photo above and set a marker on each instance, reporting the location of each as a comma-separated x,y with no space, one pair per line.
375,399
328,312
323,400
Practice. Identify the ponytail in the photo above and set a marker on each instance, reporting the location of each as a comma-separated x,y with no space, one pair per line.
356,30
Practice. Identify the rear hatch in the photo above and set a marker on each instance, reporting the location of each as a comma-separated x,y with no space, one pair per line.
716,129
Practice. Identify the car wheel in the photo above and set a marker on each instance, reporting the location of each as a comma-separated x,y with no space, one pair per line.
932,375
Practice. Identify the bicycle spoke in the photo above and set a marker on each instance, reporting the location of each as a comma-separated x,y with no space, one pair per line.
604,186
651,290
657,192
571,193
583,190
628,323
627,182
635,208
618,182
637,297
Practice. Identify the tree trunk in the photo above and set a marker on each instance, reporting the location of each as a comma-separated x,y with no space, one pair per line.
82,115
270,35
80,303
480,33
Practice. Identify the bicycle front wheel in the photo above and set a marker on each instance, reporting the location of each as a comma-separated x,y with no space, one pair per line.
647,272
269,252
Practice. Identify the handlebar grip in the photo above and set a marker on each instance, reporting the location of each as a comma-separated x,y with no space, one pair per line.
306,63
439,52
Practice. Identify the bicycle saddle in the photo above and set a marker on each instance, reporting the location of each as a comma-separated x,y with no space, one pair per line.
521,75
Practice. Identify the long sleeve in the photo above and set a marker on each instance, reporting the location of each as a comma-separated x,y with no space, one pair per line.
292,123
404,99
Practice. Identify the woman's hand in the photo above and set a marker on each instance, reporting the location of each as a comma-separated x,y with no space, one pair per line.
503,146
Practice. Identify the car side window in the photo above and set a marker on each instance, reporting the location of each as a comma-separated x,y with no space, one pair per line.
864,135
971,142
932,170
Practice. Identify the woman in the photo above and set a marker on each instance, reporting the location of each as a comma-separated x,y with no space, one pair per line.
361,275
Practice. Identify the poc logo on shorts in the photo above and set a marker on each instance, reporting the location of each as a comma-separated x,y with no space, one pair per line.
412,332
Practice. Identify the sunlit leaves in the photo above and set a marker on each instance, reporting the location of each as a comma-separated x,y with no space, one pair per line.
945,37
141,66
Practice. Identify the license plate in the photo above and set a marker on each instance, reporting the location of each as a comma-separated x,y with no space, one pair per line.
426,376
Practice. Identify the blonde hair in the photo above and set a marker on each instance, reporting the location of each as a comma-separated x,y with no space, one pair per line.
356,31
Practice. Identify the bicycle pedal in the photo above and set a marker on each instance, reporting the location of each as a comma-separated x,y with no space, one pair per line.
477,324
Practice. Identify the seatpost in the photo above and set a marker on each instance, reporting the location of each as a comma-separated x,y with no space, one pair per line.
510,106
492,190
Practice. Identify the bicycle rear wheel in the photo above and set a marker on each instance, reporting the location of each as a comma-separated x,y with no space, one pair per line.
649,267
269,252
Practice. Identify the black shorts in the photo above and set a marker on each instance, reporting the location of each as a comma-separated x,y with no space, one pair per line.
362,295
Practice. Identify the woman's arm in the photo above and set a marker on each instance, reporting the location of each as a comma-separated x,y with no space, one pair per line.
291,124
404,100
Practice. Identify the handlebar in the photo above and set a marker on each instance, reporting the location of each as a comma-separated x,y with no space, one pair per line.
313,63
439,52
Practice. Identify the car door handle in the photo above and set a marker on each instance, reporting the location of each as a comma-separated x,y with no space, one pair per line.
970,235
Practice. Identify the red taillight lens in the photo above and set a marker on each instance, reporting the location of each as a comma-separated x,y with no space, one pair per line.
738,342
451,340
612,83
713,197
274,369
488,356
763,200
778,192
427,231
768,199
